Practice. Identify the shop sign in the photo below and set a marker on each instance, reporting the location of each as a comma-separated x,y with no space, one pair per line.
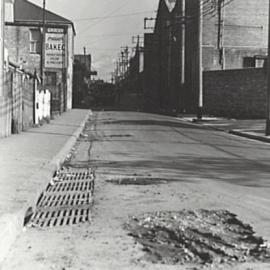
55,49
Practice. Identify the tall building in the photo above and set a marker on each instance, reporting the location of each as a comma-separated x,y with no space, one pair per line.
234,34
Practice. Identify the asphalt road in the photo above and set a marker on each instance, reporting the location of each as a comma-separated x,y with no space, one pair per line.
203,168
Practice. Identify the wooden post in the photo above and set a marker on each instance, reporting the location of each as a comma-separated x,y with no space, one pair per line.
2,25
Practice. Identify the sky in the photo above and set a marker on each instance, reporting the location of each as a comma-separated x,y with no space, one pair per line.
104,26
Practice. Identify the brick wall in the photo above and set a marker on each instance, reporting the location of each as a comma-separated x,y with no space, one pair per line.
246,23
239,93
16,106
5,116
245,35
17,40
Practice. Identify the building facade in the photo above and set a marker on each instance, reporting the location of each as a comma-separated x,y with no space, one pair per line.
234,36
49,53
81,79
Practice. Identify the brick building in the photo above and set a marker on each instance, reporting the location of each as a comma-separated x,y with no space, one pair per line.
27,47
234,36
81,78
163,59
130,86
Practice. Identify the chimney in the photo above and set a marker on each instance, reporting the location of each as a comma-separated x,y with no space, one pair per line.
9,11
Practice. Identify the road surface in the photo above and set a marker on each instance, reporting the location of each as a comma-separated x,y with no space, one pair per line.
203,169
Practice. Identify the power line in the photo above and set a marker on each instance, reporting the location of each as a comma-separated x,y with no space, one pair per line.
114,16
110,35
123,4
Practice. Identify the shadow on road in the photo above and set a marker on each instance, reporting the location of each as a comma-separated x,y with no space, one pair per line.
153,123
192,169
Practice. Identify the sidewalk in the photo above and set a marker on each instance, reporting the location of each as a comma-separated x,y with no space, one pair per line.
252,129
27,162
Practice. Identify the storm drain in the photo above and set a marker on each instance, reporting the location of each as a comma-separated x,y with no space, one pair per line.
66,201
60,217
72,175
61,200
71,187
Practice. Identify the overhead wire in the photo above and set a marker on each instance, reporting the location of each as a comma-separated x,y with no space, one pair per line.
123,4
209,8
113,16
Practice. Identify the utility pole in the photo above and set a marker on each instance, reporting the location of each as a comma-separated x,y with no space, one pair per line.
122,65
183,48
170,104
199,61
42,56
126,58
84,53
2,25
221,29
267,131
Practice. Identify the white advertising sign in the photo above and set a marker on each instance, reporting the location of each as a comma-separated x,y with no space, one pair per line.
55,50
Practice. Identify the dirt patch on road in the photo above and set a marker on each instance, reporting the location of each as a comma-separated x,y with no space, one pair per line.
197,237
119,136
139,181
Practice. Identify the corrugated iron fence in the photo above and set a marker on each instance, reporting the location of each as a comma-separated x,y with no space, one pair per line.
17,103
5,116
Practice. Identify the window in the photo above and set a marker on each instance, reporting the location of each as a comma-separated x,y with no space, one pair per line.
50,78
260,62
35,41
249,62
254,62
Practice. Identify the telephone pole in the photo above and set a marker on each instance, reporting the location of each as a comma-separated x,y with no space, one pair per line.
199,61
84,53
183,51
2,24
42,55
267,131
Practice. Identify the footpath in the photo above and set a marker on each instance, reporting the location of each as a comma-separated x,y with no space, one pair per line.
27,163
251,129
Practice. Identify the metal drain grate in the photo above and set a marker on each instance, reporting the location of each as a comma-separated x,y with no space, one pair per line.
60,217
62,200
66,201
79,175
71,187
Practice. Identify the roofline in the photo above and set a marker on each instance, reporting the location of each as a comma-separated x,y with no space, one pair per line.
62,22
161,2
40,24
31,3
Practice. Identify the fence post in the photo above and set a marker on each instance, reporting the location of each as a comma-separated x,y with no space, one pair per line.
2,24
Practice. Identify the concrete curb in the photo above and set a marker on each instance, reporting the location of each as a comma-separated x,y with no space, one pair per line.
249,136
200,124
239,133
11,225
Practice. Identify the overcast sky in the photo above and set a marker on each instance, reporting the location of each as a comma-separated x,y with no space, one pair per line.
103,37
